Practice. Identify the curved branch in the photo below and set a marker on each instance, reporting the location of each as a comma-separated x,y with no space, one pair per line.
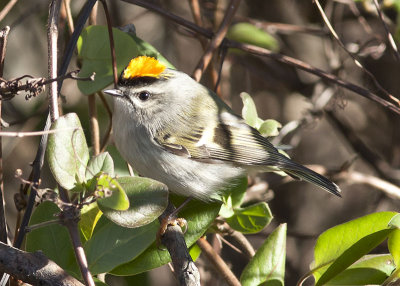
34,268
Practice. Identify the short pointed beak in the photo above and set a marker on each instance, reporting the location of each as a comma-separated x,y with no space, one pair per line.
114,92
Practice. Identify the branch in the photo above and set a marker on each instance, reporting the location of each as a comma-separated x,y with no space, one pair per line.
185,270
275,56
216,40
218,263
34,268
3,223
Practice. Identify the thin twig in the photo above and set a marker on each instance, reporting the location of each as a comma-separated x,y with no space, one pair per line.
34,133
70,21
356,61
267,53
218,262
389,189
7,9
112,48
52,37
388,34
216,40
3,223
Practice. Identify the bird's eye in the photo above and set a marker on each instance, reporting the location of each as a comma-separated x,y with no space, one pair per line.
144,95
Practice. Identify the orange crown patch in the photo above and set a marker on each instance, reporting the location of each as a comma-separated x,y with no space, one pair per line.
143,66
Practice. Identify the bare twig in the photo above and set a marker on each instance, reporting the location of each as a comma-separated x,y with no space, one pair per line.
3,223
34,268
218,262
216,40
389,189
7,9
52,37
267,53
33,133
356,61
67,6
34,86
388,34
185,270
112,48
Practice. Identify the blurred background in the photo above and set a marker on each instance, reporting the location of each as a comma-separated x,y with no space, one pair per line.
337,132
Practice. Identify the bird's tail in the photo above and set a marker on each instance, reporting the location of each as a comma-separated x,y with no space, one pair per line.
301,172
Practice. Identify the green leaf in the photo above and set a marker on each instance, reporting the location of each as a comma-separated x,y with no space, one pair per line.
250,219
268,264
94,51
394,246
117,201
249,111
147,201
395,222
194,251
112,245
370,270
53,239
250,34
100,163
340,246
199,216
67,151
90,214
270,127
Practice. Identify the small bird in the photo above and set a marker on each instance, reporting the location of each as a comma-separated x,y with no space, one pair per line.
173,129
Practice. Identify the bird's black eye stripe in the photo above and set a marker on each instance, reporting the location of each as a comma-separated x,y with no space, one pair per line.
144,95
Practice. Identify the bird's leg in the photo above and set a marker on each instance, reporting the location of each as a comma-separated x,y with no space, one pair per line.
169,217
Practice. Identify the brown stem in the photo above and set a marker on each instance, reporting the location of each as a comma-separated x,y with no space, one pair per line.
218,262
3,224
7,9
94,124
52,37
216,40
69,220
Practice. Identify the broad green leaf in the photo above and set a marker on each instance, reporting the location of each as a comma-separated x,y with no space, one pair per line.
94,52
147,201
370,270
394,246
267,267
269,127
67,151
53,239
342,245
250,219
395,222
249,111
112,245
117,201
98,282
90,215
250,34
199,216
100,163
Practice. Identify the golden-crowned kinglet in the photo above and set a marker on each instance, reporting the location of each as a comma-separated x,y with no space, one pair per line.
175,130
